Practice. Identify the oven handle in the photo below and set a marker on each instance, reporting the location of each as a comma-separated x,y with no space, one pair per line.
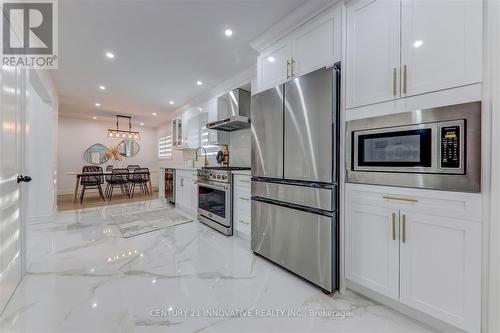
215,187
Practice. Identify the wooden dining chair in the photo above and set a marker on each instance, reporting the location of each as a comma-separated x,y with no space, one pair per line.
91,178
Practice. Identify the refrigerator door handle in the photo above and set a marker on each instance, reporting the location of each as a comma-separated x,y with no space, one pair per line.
294,206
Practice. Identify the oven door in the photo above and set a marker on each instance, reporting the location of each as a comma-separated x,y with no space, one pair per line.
396,149
214,202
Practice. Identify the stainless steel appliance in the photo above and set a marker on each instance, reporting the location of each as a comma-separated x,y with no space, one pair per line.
436,148
233,111
295,175
215,198
170,185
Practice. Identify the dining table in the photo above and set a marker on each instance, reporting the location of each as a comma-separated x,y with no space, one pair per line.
78,175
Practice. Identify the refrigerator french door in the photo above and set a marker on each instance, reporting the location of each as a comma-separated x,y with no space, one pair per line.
294,176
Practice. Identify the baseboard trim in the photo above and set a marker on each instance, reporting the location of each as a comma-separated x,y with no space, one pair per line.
419,316
40,219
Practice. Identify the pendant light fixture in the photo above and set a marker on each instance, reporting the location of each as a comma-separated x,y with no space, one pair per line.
123,134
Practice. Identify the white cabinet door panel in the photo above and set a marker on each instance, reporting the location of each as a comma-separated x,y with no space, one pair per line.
372,255
441,44
272,64
441,268
318,44
373,52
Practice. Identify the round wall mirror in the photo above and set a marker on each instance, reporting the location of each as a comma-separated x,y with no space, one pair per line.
128,148
96,154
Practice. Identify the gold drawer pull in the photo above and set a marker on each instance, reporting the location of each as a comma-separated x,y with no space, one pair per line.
244,222
246,199
405,82
393,226
394,80
399,199
404,228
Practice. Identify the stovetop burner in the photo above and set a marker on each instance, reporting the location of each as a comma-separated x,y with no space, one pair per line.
227,168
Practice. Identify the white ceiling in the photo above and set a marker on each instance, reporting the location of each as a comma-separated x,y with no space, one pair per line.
162,48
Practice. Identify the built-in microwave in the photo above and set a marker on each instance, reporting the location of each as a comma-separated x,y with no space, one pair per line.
436,148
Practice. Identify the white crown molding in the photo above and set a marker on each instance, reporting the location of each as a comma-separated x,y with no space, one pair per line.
299,16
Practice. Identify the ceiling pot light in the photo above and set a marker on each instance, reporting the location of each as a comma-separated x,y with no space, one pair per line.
171,102
199,83
97,104
271,59
110,55
94,118
228,32
142,124
102,87
154,113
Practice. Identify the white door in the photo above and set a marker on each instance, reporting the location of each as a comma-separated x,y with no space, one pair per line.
317,44
272,64
373,52
441,44
441,268
372,248
11,231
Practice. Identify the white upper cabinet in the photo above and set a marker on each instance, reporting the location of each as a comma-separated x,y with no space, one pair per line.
373,52
311,46
440,268
273,65
441,44
397,49
316,44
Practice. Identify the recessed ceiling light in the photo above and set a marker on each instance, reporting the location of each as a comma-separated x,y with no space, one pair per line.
97,104
201,109
94,118
142,124
154,113
418,43
102,87
228,32
199,82
271,59
110,55
171,102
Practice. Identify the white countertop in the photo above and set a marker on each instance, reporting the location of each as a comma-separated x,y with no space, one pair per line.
242,172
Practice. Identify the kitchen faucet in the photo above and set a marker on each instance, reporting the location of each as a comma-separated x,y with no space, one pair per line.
196,155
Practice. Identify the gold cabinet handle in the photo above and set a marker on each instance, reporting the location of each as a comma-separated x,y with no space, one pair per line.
399,199
244,222
405,79
404,228
394,79
393,226
246,199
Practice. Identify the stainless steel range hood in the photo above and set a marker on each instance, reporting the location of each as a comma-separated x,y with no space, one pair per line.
233,111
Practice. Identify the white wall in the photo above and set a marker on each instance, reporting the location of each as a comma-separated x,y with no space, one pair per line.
41,139
76,135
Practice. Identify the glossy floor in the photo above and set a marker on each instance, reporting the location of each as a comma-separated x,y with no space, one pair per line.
83,276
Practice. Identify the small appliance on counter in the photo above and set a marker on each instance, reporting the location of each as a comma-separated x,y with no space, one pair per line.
437,148
215,197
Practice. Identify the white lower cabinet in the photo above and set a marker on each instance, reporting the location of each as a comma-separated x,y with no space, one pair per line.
373,253
186,190
415,246
241,205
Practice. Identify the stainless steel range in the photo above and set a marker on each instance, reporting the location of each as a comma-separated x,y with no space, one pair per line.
215,198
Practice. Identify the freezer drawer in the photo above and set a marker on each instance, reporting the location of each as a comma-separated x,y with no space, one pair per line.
303,194
297,240
309,127
267,133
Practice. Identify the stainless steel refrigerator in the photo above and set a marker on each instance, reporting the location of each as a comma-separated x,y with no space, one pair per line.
295,130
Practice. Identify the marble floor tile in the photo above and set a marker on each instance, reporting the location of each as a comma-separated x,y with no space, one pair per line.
83,276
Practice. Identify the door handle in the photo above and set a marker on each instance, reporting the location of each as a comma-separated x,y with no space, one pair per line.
23,179
405,79
394,79
393,226
404,228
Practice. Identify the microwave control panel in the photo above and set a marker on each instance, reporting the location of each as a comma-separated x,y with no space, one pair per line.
450,147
